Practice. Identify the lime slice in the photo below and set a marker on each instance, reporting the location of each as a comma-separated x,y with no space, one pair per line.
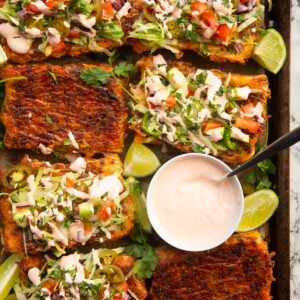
140,161
138,196
258,208
270,51
9,272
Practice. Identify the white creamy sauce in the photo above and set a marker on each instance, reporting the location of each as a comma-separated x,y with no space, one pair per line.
77,194
57,235
71,262
187,205
34,276
32,33
78,165
44,149
86,22
53,36
256,112
124,10
42,7
73,141
16,42
160,65
111,185
220,8
76,231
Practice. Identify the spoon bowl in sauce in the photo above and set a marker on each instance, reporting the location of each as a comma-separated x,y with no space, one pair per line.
188,208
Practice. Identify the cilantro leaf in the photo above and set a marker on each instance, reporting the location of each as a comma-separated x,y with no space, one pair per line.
259,176
95,76
144,267
200,79
48,119
123,69
115,54
146,257
53,76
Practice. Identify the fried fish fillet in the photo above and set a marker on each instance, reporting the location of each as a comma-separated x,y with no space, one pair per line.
259,94
215,51
241,268
53,103
15,239
123,261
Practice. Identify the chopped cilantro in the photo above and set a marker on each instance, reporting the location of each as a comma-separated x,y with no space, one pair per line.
53,76
259,176
200,79
48,119
146,257
123,69
95,76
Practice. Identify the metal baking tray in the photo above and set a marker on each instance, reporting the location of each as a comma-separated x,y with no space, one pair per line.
278,109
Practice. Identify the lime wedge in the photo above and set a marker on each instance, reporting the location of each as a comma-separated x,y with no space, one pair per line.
258,209
270,51
138,196
140,161
9,272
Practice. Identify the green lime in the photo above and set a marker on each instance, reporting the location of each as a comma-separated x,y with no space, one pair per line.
9,272
270,51
140,161
258,208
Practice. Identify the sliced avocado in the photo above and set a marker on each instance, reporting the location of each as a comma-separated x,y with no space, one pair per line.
176,78
237,134
20,217
86,209
216,134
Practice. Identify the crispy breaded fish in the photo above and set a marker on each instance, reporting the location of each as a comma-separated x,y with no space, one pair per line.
99,273
54,110
224,31
35,30
205,111
241,268
62,206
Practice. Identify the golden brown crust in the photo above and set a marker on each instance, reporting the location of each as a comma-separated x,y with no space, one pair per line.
241,268
256,82
96,115
12,235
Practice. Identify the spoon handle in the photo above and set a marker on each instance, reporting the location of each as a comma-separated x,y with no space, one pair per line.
280,144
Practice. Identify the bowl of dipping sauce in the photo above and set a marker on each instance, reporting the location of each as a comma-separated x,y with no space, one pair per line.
190,207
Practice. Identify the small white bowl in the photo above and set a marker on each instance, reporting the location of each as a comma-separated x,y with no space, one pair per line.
189,207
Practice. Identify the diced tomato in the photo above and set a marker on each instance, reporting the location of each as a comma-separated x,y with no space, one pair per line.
191,92
211,125
223,32
50,3
87,228
171,101
248,108
199,7
50,284
69,183
103,213
32,8
210,19
244,1
121,287
74,34
60,47
107,11
250,125
117,297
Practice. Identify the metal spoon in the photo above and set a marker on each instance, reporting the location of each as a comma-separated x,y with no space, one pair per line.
280,144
